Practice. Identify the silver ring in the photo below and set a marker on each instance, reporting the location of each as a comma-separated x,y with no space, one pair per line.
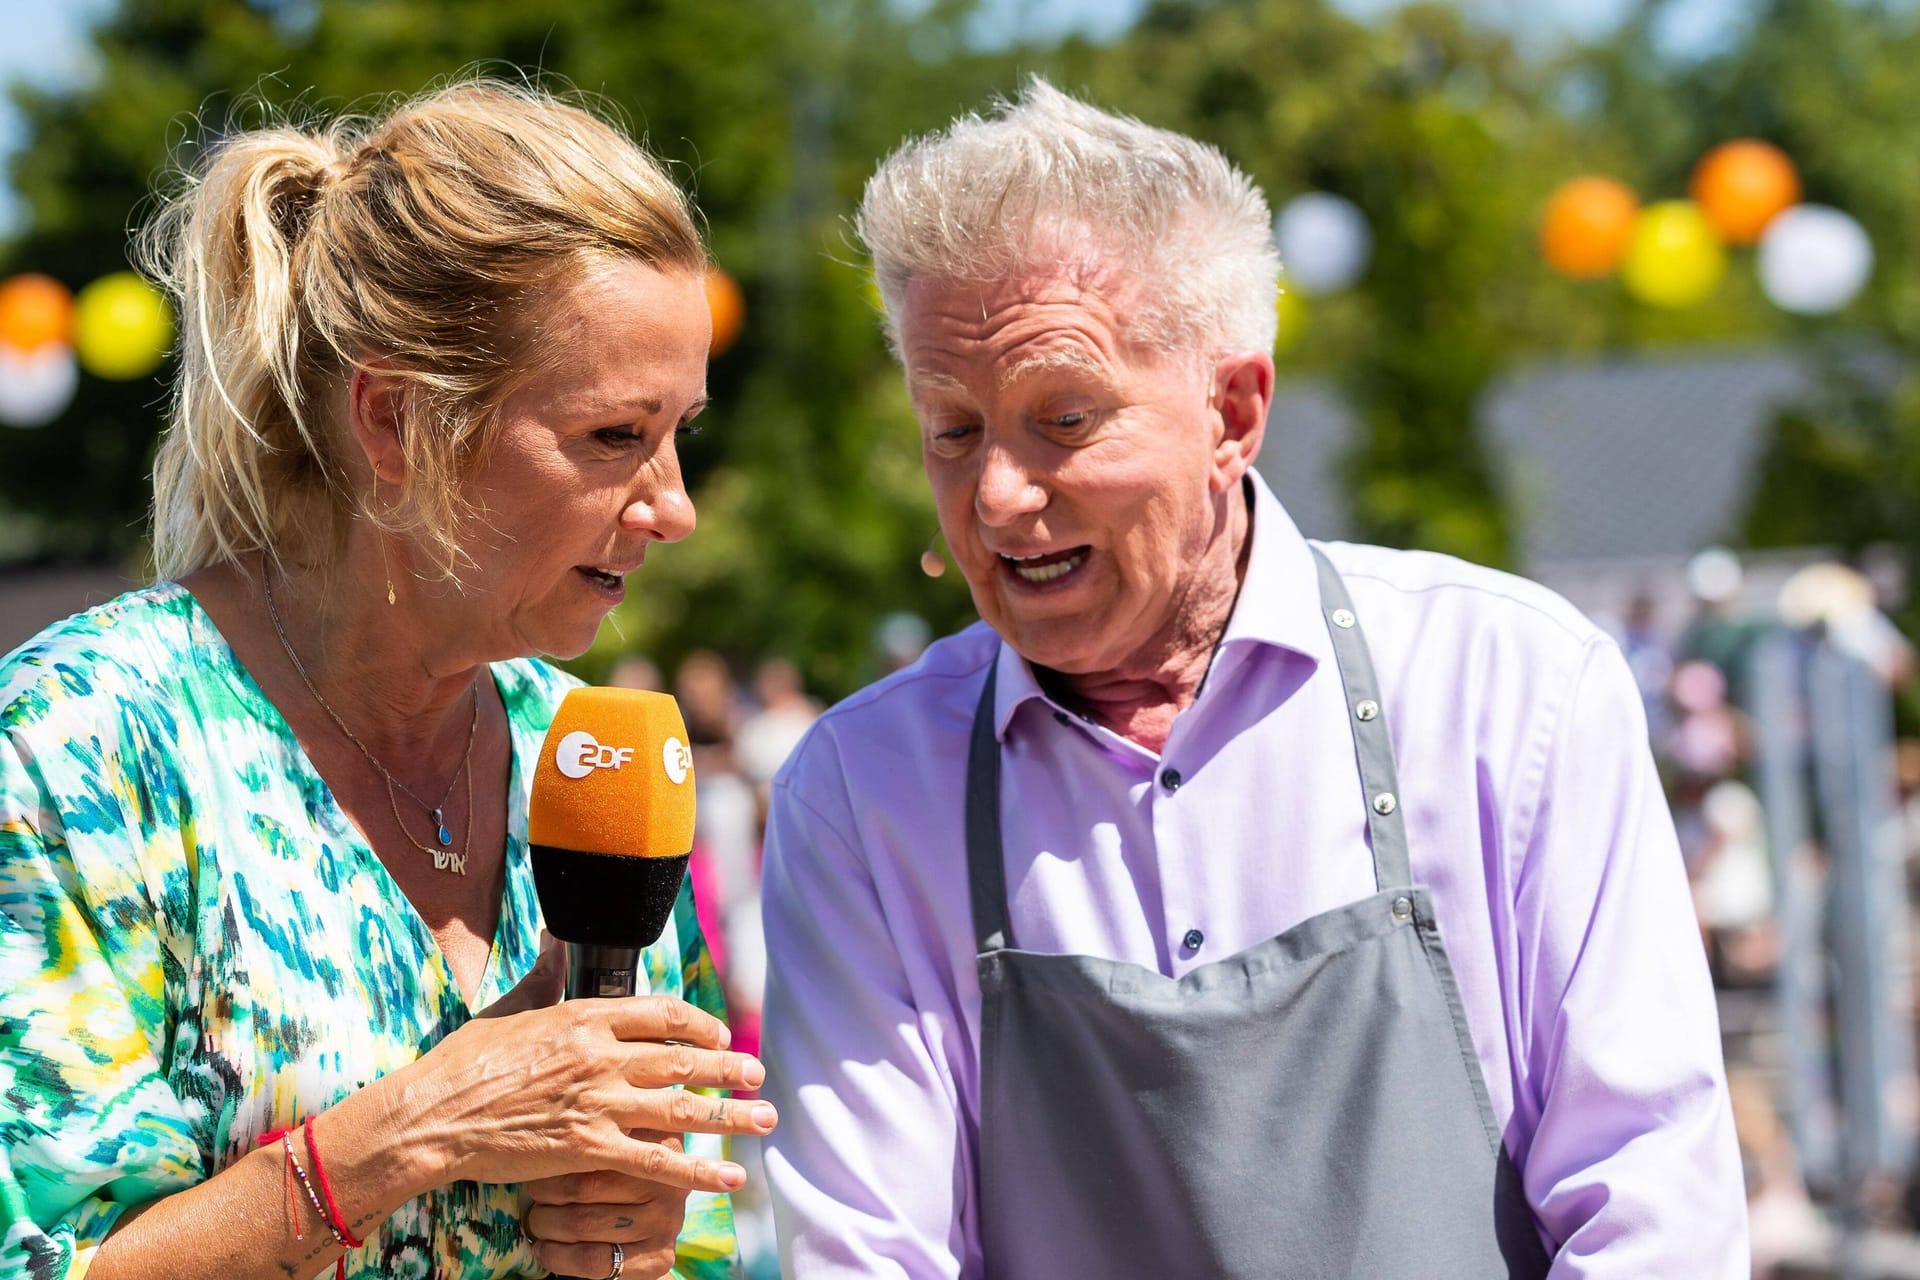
619,1262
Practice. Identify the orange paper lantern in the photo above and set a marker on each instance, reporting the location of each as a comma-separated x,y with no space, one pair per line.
1742,186
35,311
728,307
1587,227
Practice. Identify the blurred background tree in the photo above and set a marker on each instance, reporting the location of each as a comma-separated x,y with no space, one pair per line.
1446,133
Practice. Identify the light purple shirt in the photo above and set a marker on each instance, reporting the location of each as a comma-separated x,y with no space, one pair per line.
1533,813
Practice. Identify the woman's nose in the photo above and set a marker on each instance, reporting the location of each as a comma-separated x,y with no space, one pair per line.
665,515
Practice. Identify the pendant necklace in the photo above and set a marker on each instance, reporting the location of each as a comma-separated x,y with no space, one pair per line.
444,858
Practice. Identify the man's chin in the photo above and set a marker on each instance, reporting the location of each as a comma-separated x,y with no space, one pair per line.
1064,644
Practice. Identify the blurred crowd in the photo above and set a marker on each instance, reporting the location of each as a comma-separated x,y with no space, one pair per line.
1695,674
742,725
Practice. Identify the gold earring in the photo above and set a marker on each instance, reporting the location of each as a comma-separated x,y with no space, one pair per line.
387,569
931,562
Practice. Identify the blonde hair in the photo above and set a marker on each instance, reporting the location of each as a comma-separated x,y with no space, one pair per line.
1187,231
412,242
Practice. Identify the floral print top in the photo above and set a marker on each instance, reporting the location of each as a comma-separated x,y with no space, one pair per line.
197,946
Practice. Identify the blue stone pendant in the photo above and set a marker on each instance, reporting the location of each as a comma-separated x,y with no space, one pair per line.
446,836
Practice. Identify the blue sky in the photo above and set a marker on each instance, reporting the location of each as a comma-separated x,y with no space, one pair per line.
46,40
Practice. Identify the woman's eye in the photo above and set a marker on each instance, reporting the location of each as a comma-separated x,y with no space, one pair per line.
617,436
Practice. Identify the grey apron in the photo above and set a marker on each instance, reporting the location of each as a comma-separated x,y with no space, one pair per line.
1311,1107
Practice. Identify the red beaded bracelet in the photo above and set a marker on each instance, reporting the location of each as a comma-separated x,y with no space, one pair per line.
329,1212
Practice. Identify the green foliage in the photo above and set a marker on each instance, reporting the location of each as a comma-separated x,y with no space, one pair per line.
812,509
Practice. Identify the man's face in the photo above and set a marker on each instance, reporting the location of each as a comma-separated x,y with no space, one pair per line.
1075,475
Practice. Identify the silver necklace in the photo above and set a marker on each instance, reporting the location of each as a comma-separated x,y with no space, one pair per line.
444,859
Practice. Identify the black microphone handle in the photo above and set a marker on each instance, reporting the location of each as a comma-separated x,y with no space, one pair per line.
594,970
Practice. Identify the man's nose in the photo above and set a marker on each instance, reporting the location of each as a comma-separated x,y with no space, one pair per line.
1009,488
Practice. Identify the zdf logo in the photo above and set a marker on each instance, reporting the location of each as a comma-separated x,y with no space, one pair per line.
676,759
579,755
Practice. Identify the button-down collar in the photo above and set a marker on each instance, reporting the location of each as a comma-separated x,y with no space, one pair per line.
1278,606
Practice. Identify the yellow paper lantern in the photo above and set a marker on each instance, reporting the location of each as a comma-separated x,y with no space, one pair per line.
35,311
728,307
121,327
1587,227
1290,310
1674,259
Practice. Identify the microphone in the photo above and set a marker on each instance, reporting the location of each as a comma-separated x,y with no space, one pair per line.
610,826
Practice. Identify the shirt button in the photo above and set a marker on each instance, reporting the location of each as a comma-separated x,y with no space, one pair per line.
1170,779
1193,940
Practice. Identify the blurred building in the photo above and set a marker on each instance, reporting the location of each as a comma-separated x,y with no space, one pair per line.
1616,470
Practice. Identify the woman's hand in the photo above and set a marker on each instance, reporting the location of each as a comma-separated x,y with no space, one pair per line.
532,1093
574,1220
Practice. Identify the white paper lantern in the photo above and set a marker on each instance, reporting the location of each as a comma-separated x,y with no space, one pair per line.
1324,242
36,387
1814,260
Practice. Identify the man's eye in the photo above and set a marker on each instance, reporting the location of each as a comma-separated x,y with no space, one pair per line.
956,431
1075,418
690,428
617,435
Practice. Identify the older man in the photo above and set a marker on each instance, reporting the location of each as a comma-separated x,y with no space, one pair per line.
1106,940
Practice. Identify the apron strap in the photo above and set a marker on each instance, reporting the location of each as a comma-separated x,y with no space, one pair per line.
986,859
1372,746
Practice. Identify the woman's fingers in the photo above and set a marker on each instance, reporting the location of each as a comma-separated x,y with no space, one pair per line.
664,1018
656,1162
596,1259
657,1066
683,1111
602,1186
655,1220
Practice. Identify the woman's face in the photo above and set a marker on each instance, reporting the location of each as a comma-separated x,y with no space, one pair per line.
584,472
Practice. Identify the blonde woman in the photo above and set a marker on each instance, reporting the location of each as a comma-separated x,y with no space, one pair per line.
263,860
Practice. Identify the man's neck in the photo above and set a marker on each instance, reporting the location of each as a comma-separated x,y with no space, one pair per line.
1140,699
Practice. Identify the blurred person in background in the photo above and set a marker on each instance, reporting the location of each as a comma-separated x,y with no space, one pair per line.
726,849
1649,654
272,975
1721,631
782,717
1106,939
635,671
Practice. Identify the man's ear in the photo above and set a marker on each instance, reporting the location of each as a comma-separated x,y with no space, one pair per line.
376,414
1242,394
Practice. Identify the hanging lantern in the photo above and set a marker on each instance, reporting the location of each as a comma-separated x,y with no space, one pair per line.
728,307
1674,259
35,311
121,327
1324,242
1587,227
36,386
1742,186
1290,313
1814,260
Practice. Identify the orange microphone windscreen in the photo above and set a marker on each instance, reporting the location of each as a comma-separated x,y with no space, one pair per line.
615,777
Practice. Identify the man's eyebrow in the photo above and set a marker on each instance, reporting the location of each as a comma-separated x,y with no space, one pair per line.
1059,358
923,381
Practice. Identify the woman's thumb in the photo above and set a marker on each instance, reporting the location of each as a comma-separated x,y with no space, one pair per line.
544,984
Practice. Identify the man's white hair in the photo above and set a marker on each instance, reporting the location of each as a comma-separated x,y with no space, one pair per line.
1171,220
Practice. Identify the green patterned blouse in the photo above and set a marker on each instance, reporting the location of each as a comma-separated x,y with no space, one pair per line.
197,946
